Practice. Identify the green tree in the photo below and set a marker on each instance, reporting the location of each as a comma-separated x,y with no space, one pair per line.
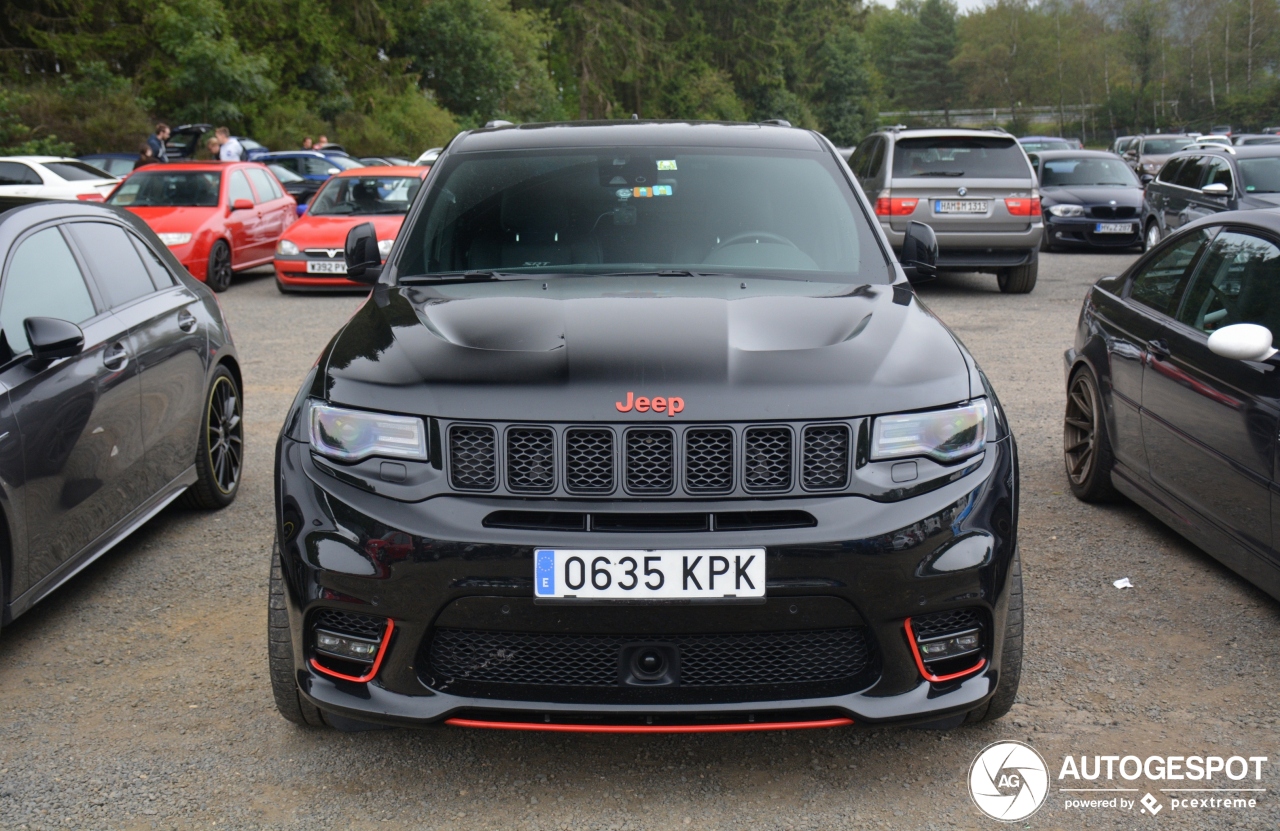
847,100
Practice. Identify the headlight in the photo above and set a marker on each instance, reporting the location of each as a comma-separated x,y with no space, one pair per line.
384,246
1151,167
945,435
352,435
1067,210
286,248
174,239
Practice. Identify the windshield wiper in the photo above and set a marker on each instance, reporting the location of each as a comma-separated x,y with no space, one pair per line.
468,276
940,173
664,272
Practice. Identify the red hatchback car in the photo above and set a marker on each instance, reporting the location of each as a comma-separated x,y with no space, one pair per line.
216,217
310,255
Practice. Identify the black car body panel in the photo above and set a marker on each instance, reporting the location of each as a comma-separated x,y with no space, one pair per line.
1176,197
1193,433
1100,205
93,445
848,560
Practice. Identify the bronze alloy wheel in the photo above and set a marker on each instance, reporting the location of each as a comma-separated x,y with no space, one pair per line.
226,435
1086,448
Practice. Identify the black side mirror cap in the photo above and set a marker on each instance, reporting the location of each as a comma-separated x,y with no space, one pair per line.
364,263
52,338
1146,178
919,252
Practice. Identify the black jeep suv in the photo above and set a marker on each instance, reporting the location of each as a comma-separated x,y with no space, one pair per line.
643,429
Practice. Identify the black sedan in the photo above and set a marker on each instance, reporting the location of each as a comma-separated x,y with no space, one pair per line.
1171,389
121,391
616,444
1089,198
1203,181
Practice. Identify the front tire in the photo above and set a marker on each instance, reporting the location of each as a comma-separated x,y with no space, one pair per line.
1010,658
220,451
1152,237
1086,447
284,686
218,274
1020,279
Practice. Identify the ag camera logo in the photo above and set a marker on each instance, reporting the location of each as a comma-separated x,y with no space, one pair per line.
1008,781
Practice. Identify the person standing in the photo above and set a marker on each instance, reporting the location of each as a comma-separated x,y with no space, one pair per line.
145,156
214,148
159,153
322,143
229,150
306,143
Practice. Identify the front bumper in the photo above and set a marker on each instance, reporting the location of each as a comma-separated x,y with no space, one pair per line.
1080,232
292,272
433,566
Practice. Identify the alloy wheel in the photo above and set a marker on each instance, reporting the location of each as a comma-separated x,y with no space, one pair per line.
220,270
226,435
1079,434
1153,236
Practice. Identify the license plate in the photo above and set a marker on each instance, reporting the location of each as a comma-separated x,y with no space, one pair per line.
953,206
1113,228
702,574
322,267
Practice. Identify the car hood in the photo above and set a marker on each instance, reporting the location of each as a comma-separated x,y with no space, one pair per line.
569,348
1092,195
174,220
331,231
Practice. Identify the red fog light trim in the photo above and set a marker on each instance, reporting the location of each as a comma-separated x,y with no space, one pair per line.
373,670
649,728
895,207
1023,207
929,676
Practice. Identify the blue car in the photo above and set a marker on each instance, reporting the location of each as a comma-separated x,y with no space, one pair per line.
310,164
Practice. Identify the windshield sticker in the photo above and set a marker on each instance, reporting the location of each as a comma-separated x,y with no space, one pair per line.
666,164
662,190
642,193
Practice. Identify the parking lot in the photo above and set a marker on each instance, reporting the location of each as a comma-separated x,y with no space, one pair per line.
137,696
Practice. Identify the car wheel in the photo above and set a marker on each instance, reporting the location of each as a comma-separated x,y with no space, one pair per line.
1020,279
1086,449
1152,238
284,686
220,455
218,276
1010,658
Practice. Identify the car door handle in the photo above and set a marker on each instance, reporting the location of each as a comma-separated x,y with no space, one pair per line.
187,321
1158,348
115,357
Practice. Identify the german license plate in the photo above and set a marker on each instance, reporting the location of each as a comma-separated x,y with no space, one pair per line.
323,267
955,206
1113,228
702,574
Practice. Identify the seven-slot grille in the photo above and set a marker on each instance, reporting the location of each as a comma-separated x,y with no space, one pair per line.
651,460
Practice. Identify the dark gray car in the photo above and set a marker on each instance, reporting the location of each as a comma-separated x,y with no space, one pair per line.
975,188
119,391
1208,180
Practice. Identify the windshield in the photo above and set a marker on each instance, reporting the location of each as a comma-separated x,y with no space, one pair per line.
365,195
1065,173
645,209
188,189
1163,147
1260,175
1051,144
284,174
952,156
77,171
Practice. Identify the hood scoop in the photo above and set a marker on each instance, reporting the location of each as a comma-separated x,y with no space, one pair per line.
497,324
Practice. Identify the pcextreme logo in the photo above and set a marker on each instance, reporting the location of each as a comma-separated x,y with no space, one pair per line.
1008,781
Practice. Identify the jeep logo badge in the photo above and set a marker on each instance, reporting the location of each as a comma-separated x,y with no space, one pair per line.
657,404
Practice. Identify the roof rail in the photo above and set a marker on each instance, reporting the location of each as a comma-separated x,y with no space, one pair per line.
498,122
777,122
895,128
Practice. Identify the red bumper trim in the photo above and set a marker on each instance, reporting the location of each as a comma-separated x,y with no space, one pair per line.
915,652
373,670
650,728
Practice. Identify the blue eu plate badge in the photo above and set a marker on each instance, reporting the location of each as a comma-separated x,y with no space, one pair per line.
545,572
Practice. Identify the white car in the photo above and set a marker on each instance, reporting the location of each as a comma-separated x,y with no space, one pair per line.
429,158
53,177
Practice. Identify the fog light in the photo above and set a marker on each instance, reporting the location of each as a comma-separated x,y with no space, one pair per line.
950,646
345,646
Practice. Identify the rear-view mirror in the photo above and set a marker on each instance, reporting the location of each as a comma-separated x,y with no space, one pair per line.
364,262
51,338
919,252
1242,342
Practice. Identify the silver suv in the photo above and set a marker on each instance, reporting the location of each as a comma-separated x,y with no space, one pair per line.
975,187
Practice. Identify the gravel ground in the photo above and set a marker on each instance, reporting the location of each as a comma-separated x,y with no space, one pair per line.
137,696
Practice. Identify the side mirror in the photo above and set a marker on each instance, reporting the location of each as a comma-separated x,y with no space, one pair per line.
242,205
1215,189
364,263
52,338
919,252
1242,342
1146,179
